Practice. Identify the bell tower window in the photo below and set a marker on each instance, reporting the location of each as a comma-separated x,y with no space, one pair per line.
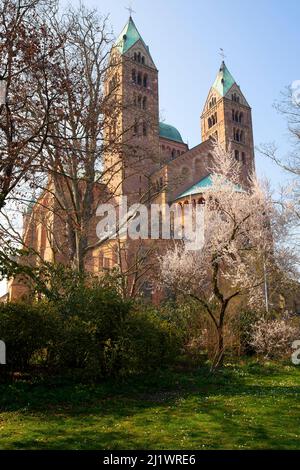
134,76
145,80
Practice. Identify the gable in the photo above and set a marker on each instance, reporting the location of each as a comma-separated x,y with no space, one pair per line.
140,47
236,89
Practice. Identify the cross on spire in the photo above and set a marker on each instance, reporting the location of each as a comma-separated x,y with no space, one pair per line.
222,53
130,9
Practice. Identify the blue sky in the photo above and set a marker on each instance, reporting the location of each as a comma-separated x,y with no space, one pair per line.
261,40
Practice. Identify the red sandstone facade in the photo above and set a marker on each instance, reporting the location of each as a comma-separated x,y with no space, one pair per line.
153,164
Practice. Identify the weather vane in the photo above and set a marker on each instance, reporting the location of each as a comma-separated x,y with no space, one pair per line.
222,53
130,9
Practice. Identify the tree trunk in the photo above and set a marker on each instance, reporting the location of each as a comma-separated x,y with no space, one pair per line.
219,355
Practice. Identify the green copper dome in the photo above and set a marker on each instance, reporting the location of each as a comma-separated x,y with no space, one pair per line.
224,80
202,185
169,132
128,37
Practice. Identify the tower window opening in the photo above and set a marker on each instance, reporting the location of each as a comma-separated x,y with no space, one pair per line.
243,157
212,102
237,135
145,102
241,118
134,76
145,129
139,78
173,153
237,155
145,81
143,60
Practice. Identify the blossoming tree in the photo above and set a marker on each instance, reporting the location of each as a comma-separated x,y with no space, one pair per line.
238,248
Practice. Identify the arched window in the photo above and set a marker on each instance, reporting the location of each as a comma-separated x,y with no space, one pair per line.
143,60
173,153
145,129
135,56
145,102
134,76
237,155
209,123
212,102
243,157
236,118
236,135
139,78
235,98
145,80
241,117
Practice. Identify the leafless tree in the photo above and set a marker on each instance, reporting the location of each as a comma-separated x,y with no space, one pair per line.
27,89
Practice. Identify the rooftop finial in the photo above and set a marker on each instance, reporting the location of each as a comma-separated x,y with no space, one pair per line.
130,9
222,54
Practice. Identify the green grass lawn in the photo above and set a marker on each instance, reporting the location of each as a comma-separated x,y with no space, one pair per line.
242,407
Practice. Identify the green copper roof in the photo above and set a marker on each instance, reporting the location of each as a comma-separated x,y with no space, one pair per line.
224,80
202,185
128,37
169,132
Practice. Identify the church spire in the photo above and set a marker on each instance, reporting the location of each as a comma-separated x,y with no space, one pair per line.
129,36
224,80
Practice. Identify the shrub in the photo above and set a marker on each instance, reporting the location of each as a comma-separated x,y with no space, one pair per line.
27,330
241,328
147,342
273,338
93,333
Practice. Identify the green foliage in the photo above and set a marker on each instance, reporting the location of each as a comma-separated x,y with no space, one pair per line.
242,326
26,330
92,332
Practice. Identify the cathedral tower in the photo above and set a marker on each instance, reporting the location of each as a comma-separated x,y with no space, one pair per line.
227,118
134,121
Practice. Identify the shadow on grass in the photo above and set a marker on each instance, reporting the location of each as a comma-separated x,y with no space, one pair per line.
249,406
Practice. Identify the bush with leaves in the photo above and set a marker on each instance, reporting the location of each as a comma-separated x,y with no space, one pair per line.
92,333
28,331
